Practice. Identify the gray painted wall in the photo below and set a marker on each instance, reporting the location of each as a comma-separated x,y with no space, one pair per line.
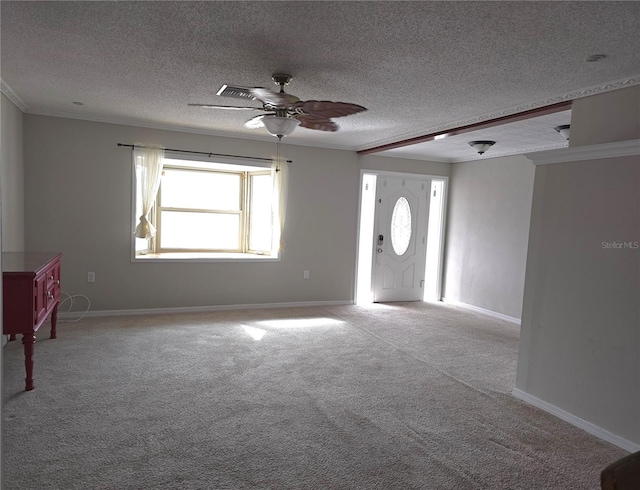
580,334
78,201
404,165
12,177
606,118
487,233
11,184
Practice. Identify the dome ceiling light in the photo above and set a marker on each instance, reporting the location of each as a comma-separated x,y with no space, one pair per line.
482,145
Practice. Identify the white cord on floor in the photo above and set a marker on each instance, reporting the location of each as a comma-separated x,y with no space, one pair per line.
72,300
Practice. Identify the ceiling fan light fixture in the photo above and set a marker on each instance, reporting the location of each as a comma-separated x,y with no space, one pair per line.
280,126
481,146
564,130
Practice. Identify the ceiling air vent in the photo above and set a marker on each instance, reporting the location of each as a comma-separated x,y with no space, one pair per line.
236,92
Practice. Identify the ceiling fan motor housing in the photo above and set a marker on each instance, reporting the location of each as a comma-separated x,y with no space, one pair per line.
281,79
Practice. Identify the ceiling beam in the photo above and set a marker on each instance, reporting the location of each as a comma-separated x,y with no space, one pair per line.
498,121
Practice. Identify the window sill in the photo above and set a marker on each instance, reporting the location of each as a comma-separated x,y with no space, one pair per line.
204,257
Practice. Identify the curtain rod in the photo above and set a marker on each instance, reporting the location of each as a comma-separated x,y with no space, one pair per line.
204,153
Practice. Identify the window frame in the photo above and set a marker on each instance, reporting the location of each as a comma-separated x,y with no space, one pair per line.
241,212
248,214
244,254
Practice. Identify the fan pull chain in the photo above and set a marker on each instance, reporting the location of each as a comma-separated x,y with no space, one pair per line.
278,153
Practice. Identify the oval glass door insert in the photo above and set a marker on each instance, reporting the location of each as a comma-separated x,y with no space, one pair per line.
401,226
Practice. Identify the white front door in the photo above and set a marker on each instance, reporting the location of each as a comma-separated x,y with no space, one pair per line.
400,241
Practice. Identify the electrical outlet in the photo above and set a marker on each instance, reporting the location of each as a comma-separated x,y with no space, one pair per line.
91,277
306,274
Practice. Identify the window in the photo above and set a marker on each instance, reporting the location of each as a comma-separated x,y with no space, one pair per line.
401,226
210,210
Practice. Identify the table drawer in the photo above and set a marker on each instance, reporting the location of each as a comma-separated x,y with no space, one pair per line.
47,291
42,294
53,277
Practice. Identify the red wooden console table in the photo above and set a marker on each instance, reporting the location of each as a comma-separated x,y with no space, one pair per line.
30,292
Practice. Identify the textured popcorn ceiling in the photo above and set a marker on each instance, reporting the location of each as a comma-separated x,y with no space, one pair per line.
418,67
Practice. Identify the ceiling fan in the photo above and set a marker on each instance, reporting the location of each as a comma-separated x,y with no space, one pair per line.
284,112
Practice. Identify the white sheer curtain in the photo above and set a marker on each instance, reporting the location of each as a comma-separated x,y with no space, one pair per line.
279,175
148,163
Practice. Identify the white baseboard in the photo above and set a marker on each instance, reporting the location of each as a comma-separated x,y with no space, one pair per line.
483,311
194,309
593,429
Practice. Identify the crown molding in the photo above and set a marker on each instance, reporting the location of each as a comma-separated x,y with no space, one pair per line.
11,95
581,153
180,129
475,158
123,121
523,151
568,96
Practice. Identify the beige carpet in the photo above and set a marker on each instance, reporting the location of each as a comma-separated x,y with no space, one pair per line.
403,396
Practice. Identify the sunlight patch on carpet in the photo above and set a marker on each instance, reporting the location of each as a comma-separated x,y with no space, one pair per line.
254,333
301,322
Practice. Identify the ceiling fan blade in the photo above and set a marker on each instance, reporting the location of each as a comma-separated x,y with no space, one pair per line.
274,99
255,122
229,107
318,123
327,109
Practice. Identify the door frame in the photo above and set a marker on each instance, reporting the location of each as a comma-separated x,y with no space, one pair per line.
443,222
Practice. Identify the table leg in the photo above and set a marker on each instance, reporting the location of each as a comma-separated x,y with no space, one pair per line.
28,340
54,321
